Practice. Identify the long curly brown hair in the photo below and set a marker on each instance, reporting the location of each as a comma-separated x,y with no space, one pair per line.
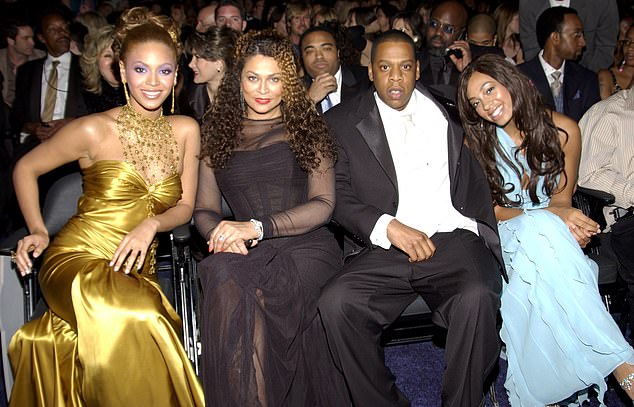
308,135
541,142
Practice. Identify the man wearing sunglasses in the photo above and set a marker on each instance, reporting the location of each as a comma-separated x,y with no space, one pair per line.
446,52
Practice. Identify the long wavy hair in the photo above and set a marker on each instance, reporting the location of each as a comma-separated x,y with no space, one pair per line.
541,141
308,135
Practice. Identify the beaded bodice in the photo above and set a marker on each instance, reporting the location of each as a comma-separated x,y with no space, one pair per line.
148,145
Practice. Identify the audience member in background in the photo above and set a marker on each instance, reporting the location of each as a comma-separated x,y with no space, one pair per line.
91,20
324,15
600,21
297,21
178,15
481,36
565,86
329,82
277,20
103,90
255,18
398,146
411,24
424,11
231,14
560,339
446,31
212,56
384,14
362,25
270,155
49,90
206,17
20,49
507,18
110,336
607,165
626,21
620,74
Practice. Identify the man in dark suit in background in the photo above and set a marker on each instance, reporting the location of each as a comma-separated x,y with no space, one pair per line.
327,80
565,85
446,52
417,207
46,100
600,20
48,94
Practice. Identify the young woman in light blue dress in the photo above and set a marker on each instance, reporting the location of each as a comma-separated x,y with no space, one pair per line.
560,339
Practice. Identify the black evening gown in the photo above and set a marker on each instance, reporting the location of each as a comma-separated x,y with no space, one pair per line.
263,343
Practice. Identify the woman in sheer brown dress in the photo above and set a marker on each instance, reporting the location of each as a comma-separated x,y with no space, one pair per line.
270,155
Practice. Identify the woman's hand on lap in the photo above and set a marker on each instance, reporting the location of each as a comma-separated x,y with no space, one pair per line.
133,247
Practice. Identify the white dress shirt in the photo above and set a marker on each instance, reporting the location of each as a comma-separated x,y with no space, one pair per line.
63,73
422,171
335,97
548,69
559,3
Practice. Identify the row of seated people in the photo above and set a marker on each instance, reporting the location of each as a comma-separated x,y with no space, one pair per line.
280,274
435,31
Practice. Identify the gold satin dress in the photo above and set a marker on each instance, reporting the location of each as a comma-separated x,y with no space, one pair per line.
108,339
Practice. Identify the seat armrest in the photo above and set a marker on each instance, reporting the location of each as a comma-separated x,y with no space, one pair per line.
182,233
591,202
603,198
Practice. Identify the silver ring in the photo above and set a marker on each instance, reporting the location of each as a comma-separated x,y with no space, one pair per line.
13,257
221,237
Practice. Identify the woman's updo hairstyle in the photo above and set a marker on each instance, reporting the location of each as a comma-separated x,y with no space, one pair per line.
139,25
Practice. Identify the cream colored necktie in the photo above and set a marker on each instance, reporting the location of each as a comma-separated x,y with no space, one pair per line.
51,94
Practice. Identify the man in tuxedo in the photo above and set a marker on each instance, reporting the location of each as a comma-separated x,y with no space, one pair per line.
600,21
328,82
31,114
417,209
565,86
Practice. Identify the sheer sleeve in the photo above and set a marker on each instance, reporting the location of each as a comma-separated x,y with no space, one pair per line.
315,212
208,209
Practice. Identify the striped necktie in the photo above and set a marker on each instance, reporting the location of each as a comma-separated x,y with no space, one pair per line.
555,88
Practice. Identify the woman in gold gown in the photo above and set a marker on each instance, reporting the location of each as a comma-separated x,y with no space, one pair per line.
110,337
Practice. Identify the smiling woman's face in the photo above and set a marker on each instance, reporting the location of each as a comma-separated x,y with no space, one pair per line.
149,69
262,87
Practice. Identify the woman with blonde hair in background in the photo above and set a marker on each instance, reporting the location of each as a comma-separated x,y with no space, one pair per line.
103,90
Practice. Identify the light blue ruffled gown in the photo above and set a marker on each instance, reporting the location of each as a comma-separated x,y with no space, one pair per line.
559,337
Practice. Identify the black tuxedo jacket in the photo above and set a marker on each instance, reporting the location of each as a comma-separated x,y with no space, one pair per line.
580,86
366,178
28,93
354,79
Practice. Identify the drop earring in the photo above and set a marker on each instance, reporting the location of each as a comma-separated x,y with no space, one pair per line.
174,92
125,92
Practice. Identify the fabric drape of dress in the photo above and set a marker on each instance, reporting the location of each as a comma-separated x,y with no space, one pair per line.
262,341
559,337
108,339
